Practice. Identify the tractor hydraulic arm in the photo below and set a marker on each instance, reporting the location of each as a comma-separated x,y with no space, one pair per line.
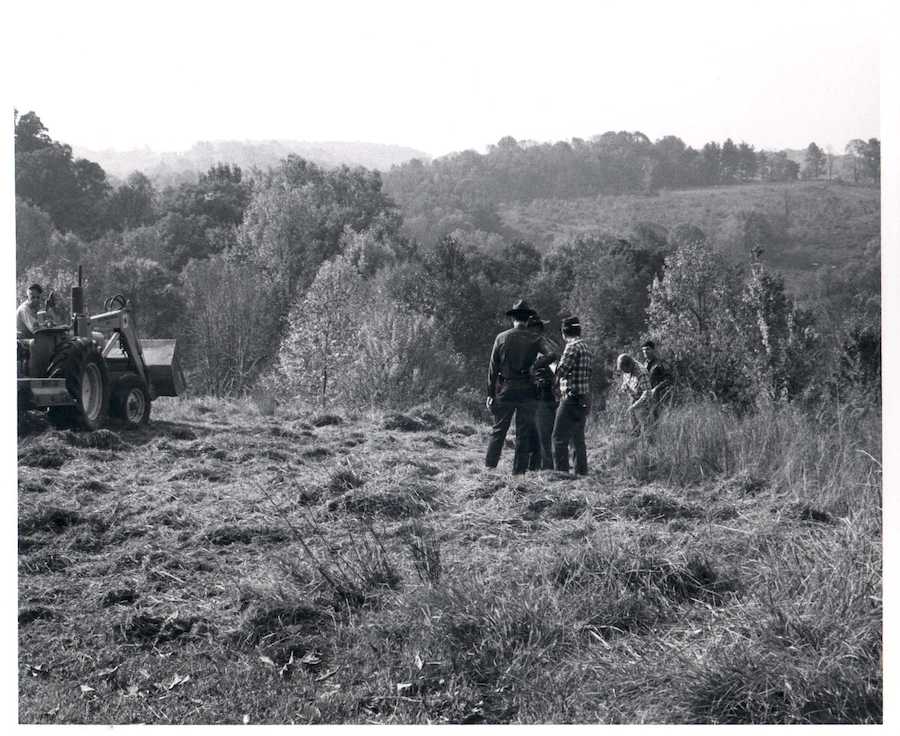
121,323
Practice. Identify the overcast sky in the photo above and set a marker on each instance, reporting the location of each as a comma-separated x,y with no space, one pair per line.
445,76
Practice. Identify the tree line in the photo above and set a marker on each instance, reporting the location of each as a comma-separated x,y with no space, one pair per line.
463,189
305,282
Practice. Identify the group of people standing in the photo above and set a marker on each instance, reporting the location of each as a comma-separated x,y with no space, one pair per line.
521,383
551,407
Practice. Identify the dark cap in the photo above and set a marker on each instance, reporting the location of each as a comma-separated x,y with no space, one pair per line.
571,323
37,288
648,344
520,309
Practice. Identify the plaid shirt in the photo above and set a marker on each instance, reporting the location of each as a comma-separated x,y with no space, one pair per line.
636,383
574,369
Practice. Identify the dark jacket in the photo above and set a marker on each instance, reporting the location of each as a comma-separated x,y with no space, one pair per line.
657,371
512,357
543,378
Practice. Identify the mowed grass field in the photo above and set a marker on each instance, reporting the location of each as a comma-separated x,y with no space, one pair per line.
815,224
232,565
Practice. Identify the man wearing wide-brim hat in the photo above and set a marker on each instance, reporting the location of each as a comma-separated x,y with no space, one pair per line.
510,390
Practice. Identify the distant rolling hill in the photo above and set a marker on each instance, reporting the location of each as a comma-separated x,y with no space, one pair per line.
246,154
813,224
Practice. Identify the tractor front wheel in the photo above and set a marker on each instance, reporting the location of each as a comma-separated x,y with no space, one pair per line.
130,401
80,363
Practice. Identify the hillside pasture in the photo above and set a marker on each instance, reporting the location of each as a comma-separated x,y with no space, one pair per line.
232,565
812,224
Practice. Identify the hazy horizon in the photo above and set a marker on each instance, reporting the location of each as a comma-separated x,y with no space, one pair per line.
446,79
838,149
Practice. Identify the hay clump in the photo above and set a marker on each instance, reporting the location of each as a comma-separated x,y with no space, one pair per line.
91,486
400,498
343,481
326,420
44,563
26,544
404,423
213,475
810,514
35,613
125,596
41,485
149,630
47,456
439,441
657,507
567,508
485,488
317,453
179,432
283,433
101,439
466,430
51,518
267,618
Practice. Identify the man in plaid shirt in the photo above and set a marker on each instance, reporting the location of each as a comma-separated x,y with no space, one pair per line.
574,376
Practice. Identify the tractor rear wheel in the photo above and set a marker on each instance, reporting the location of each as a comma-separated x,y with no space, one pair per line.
80,363
130,401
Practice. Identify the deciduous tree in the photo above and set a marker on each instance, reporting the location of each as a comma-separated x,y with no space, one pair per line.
815,162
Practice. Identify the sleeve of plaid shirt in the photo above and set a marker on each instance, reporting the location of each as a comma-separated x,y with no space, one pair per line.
643,384
566,362
575,368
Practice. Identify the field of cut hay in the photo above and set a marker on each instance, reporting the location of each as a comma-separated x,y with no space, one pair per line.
227,565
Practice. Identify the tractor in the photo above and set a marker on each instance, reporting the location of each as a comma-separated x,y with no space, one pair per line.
95,368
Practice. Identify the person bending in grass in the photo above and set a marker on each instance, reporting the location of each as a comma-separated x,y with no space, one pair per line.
659,377
636,384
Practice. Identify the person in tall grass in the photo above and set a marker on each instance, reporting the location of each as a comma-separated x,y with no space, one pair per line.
636,383
547,403
573,374
659,377
510,389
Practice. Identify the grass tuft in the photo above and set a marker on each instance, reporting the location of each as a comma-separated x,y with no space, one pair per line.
404,423
326,420
423,546
102,439
49,456
53,518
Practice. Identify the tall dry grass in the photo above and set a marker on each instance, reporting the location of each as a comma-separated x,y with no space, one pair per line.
831,457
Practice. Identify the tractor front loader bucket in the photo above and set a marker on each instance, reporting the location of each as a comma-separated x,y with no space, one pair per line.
163,370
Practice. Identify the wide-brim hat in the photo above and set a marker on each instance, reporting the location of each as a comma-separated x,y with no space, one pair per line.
520,309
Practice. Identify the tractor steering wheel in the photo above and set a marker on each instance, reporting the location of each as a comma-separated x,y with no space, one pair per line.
115,302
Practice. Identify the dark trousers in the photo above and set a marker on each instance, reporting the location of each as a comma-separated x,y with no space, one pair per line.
571,417
542,444
521,403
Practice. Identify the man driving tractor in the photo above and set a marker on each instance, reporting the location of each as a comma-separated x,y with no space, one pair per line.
27,313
